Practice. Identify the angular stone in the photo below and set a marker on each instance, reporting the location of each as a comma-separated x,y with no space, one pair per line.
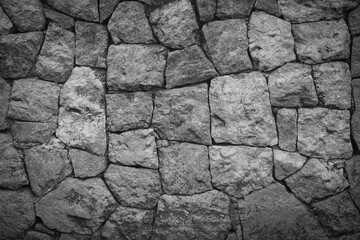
234,8
206,9
240,170
322,41
200,216
128,111
355,57
352,167
18,53
35,235
85,164
269,6
34,100
5,90
134,187
174,24
136,67
286,121
56,59
40,227
241,111
324,133
273,213
91,44
287,163
227,45
353,20
182,114
6,25
134,148
59,19
106,8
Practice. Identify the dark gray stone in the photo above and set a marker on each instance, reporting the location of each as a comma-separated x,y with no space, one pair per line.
269,6
354,21
206,9
59,19
234,8
85,164
5,91
106,8
352,167
355,57
35,235
6,25
286,121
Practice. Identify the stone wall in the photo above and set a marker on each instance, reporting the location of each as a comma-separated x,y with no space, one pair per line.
179,120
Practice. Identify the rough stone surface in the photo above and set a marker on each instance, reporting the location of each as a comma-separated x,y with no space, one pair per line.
353,20
234,8
56,59
134,187
188,217
316,180
128,111
5,91
269,6
286,121
324,133
355,57
106,8
59,19
183,114
174,24
227,45
77,206
6,25
206,9
287,163
352,167
35,235
136,67
270,40
241,111
273,213
292,85
73,236
134,148
85,164
322,41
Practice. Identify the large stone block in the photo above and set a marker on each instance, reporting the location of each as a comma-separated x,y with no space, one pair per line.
29,134
286,122
86,164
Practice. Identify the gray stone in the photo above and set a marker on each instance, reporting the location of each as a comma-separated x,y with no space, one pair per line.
182,114
85,164
227,45
136,67
324,133
106,8
56,59
240,170
269,6
322,41
73,236
134,187
355,118
174,24
241,111
6,25
354,21
42,228
287,163
206,9
352,167
286,121
59,19
234,8
355,57
5,91
232,236
35,235
128,111
188,217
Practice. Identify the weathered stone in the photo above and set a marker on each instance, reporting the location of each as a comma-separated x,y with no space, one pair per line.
6,25
42,228
286,121
232,236
206,9
91,44
315,180
352,167
333,84
106,8
241,111
292,85
129,24
347,236
128,111
322,41
134,187
197,217
270,40
174,24
355,118
240,170
29,134
73,236
17,212
56,59
128,223
355,57
273,213
353,20
227,45
134,148
5,90
35,235
18,53
76,206
234,8
136,67
183,114
34,100
85,164
269,6
324,133
287,163
26,15
59,19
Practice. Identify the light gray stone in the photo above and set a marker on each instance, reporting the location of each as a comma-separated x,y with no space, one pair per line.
106,8
85,164
355,57
352,167
35,235
234,8
287,163
206,9
5,91
286,121
6,25
354,21
59,19
269,6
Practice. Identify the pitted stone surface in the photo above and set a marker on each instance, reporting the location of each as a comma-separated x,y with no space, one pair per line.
6,25
269,6
234,8
86,164
206,9
287,163
59,19
355,57
354,19
286,121
106,8
5,91
352,167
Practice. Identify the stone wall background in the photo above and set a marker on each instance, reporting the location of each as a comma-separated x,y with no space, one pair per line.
203,119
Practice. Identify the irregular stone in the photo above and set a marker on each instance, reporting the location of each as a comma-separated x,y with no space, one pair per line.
287,163
324,133
322,41
5,90
206,9
136,67
352,167
18,53
134,187
34,100
56,59
59,19
174,24
241,111
17,212
76,206
269,6
232,236
333,84
134,148
42,228
201,216
227,45
6,25
91,44
73,236
286,121
240,170
270,40
56,143
273,213
234,8
353,20
12,170
182,114
85,164
355,57
128,111
315,180
35,235
184,169
106,8
129,24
